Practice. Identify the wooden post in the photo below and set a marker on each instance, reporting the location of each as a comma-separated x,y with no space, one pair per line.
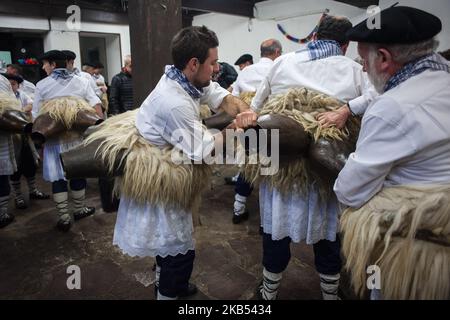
153,23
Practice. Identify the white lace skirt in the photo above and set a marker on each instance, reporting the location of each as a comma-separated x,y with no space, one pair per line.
150,230
298,217
7,160
52,169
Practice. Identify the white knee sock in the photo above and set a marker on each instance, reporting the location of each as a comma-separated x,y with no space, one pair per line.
239,204
157,274
62,204
329,284
4,205
17,192
271,282
32,184
162,297
78,197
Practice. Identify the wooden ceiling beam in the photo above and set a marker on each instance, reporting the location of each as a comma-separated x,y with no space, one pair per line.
234,7
362,4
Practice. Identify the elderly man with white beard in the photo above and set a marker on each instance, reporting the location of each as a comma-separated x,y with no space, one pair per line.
396,183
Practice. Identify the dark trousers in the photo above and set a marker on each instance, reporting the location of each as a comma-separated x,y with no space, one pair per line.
75,184
175,273
242,187
5,189
26,165
277,253
110,202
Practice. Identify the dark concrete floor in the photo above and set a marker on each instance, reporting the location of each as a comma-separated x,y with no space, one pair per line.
34,256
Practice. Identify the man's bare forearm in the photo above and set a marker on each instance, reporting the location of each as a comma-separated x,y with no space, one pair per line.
233,106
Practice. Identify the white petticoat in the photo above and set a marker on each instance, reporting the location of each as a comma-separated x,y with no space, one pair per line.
52,169
150,230
298,217
7,160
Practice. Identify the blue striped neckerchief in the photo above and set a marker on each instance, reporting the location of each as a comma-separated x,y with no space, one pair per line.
61,73
320,49
175,74
432,61
76,71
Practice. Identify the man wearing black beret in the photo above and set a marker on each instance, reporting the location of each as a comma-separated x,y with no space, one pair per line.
60,85
7,157
70,61
26,165
396,183
26,87
302,215
244,60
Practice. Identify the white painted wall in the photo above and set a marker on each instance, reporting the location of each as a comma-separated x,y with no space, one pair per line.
114,56
63,40
58,36
122,30
239,35
15,22
440,8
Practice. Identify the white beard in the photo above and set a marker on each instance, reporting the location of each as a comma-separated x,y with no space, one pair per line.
378,80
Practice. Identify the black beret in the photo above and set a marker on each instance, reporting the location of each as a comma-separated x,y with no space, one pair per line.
53,55
99,65
243,59
398,25
89,64
9,76
70,55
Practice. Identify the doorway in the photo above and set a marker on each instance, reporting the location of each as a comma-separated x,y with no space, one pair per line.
23,49
104,48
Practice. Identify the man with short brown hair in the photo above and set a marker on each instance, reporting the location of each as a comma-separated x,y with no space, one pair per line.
156,229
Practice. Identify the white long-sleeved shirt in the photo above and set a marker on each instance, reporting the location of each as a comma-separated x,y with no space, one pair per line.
250,77
337,76
99,79
404,140
23,98
170,111
5,86
92,83
49,88
28,88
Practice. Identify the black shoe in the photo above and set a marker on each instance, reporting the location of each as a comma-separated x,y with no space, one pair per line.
239,218
230,180
38,195
190,291
83,213
20,203
64,225
6,219
258,292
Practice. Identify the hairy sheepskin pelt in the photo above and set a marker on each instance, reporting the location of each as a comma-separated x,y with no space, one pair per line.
205,111
65,109
8,102
405,231
150,173
247,97
301,105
